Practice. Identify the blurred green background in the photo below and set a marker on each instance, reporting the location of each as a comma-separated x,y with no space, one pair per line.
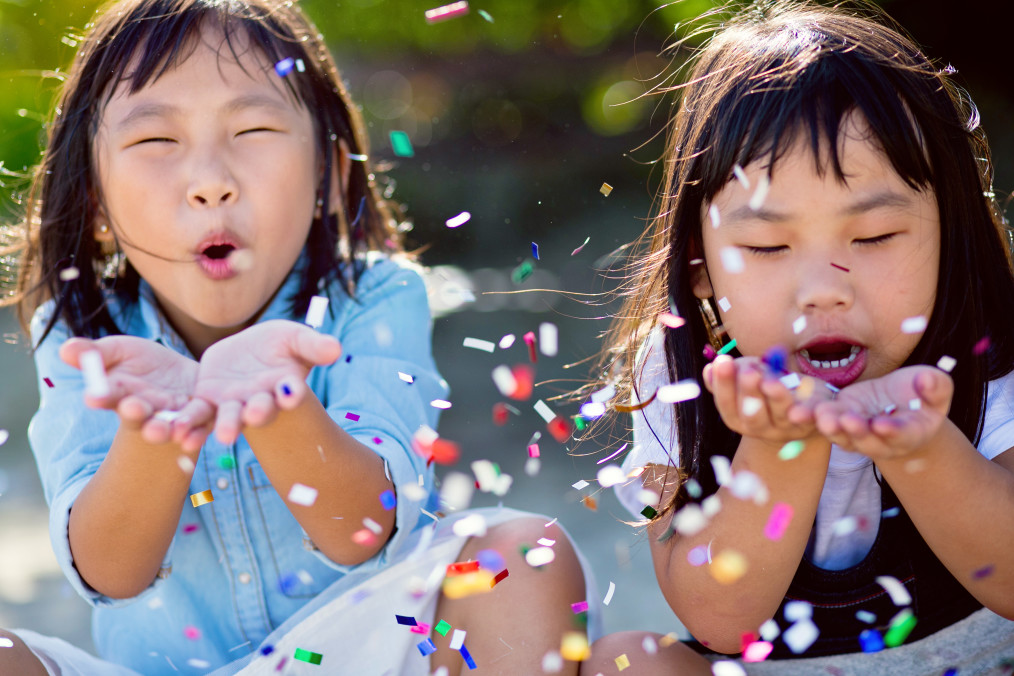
515,114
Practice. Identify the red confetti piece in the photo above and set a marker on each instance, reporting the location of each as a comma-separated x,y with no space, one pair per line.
590,503
500,577
524,377
500,414
835,265
354,417
462,567
530,342
48,382
560,428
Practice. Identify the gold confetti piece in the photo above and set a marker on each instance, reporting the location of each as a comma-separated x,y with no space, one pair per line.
460,586
589,502
668,640
606,189
202,498
574,647
622,408
622,662
728,566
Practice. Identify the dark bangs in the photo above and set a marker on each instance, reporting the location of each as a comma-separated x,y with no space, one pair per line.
133,43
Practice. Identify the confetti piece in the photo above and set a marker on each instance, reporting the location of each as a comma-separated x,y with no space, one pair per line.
400,144
4,436
548,339
446,12
542,408
285,66
769,630
623,408
388,499
579,607
354,417
914,404
895,589
799,325
190,528
760,193
578,250
791,450
698,556
913,324
69,274
900,627
460,586
560,428
426,647
716,218
791,381
535,251
192,632
94,372
605,189
732,260
574,646
406,620
465,655
522,272
591,410
529,339
981,346
671,320
457,639
741,176
49,383
622,662
474,524
689,520
442,404
485,15
462,567
6,642
778,522
539,556
315,313
580,485
421,628
752,406
985,571
406,377
683,390
800,635
459,220
728,347
946,363
728,566
798,610
478,344
301,494
840,267
358,157
611,475
776,359
533,451
871,641
364,537
757,651
442,627
185,464
456,491
202,498
727,668
500,577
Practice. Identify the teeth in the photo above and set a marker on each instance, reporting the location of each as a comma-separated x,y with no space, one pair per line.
837,363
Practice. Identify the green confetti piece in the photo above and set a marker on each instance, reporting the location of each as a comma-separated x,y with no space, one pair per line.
401,144
791,450
901,626
728,347
522,272
308,656
579,422
226,462
485,15
442,628
648,512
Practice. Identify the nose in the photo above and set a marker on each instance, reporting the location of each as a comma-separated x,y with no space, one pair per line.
212,184
822,286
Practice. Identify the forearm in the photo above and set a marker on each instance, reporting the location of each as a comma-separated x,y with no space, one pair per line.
718,612
306,446
963,506
123,521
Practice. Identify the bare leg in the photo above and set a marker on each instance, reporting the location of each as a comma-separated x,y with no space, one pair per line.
512,627
18,659
672,660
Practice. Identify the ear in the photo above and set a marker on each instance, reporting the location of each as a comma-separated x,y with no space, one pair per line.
102,231
700,280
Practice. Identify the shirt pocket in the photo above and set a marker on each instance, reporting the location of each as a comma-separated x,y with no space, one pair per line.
282,546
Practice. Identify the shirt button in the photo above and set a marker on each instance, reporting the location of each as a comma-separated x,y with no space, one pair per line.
244,578
223,483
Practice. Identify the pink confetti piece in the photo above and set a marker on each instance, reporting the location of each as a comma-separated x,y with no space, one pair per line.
977,349
778,522
671,320
578,250
613,455
446,12
354,417
192,633
190,528
533,450
579,607
49,383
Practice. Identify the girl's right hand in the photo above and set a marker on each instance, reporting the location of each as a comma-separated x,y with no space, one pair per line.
754,403
144,378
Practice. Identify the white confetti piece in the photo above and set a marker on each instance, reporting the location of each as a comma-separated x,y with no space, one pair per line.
504,380
302,494
684,390
456,491
752,406
6,642
473,524
611,475
94,372
727,668
845,525
866,616
69,273
241,260
689,520
478,344
457,639
425,435
716,218
724,303
4,436
507,341
580,485
799,325
315,313
711,505
185,464
914,404
411,491
542,408
605,394
609,594
895,589
800,635
552,662
649,646
539,556
760,193
548,339
442,404
369,523
915,324
405,377
946,363
722,468
592,410
790,380
459,220
732,260
741,176
769,630
798,610
532,466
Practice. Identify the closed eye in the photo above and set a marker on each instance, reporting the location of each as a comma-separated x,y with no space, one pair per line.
879,239
156,139
765,250
255,129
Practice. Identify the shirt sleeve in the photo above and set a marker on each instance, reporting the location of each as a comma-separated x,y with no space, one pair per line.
654,425
998,427
380,390
69,441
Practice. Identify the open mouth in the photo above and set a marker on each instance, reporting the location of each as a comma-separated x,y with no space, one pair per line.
218,252
837,361
831,356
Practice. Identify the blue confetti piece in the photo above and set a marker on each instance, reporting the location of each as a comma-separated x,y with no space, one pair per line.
465,655
871,641
490,560
285,66
404,619
267,650
535,251
776,359
951,672
388,500
288,583
893,511
426,647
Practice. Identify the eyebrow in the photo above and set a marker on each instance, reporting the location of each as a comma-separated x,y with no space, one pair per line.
145,111
880,199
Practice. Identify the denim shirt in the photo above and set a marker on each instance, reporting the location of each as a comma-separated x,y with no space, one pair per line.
239,566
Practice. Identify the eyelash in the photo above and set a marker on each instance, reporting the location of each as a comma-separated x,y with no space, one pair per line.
773,250
163,139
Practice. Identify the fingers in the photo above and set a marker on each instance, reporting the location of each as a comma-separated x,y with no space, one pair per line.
259,410
194,415
228,421
316,348
289,393
71,350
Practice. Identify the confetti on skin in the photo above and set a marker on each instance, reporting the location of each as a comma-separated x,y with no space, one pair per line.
840,267
985,571
895,589
445,12
460,586
549,337
689,520
202,498
915,324
579,607
522,272
946,363
578,250
698,556
465,655
500,577
776,358
760,193
752,406
462,567
535,251
914,404
791,450
242,260
478,344
728,566
981,346
728,347
400,144
388,500
6,642
185,464
94,372
315,313
716,218
778,522
622,662
302,494
457,639
732,260
900,627
724,303
285,66
192,633
799,325
741,176
459,220
442,627
364,537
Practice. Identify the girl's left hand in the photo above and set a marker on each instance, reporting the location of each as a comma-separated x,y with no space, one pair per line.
888,417
252,375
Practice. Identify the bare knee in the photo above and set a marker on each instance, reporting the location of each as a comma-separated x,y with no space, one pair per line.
16,658
647,653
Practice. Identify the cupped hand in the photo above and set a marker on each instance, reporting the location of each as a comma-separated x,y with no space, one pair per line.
145,378
754,402
888,417
252,375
